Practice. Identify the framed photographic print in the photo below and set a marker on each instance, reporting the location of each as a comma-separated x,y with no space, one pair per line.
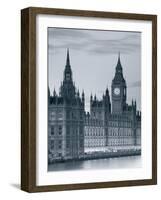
88,99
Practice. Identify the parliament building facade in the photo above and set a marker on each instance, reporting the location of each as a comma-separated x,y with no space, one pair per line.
110,123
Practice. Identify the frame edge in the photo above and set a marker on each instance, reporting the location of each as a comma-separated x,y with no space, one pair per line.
154,99
28,99
24,99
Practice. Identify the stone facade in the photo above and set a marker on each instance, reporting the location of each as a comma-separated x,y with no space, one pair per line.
71,130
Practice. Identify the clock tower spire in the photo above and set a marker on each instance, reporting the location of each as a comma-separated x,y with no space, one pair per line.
118,89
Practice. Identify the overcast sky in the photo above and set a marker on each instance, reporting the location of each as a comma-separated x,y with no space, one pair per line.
93,58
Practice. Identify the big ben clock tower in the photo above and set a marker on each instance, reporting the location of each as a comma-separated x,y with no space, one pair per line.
118,90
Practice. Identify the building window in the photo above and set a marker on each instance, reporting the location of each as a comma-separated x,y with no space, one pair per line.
68,143
52,130
81,132
81,115
68,76
59,154
68,130
72,115
68,114
60,130
52,144
59,115
52,115
59,144
124,91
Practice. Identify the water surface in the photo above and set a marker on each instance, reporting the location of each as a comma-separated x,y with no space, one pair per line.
108,163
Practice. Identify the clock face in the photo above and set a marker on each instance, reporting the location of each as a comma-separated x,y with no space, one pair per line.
117,91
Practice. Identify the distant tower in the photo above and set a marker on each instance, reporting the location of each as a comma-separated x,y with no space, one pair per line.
100,109
67,89
83,98
66,123
118,90
107,103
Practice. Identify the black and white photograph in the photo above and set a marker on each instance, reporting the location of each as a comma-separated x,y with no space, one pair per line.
94,99
89,99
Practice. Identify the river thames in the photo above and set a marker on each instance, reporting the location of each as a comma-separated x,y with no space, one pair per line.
108,163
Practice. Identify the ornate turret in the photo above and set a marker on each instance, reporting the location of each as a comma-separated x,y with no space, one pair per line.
54,93
106,101
48,95
48,92
83,97
78,93
67,88
95,98
118,72
107,92
91,98
67,71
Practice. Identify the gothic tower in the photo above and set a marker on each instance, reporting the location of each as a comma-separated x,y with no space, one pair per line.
65,119
100,109
118,90
67,89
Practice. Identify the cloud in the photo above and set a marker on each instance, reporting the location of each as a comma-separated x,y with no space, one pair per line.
135,84
94,42
67,33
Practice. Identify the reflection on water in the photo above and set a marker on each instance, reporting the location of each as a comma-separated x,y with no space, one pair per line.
108,163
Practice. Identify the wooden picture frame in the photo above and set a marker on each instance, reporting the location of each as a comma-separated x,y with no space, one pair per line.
28,98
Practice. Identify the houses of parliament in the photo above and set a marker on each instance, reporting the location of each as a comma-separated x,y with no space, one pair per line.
111,122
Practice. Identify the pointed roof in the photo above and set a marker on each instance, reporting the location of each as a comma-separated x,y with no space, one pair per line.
48,91
119,66
119,72
68,59
91,97
78,92
67,67
54,93
107,92
67,89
